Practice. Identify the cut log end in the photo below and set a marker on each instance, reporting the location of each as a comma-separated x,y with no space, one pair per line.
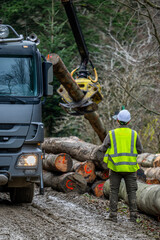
60,163
152,181
97,188
156,162
72,182
87,170
63,162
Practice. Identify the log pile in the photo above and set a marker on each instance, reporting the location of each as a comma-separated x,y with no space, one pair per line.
149,168
71,164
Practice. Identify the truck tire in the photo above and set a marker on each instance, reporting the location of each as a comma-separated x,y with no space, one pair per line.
22,195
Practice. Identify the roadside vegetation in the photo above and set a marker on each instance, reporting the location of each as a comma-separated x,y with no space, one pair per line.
123,38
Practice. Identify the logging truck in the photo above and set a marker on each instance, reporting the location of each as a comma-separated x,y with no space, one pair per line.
24,81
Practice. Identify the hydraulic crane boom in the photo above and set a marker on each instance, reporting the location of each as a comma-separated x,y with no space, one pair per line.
91,88
76,29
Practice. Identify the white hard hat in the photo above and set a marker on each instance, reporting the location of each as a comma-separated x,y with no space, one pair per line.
124,116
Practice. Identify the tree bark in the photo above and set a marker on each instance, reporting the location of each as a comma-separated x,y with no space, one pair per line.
148,196
146,159
61,162
97,188
86,169
76,148
153,173
68,182
74,91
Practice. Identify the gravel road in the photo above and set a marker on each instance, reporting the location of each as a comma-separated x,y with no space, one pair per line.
60,216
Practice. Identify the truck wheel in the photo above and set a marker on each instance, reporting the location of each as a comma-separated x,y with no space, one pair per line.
22,195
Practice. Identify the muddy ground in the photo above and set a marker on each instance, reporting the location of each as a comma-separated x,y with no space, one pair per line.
60,216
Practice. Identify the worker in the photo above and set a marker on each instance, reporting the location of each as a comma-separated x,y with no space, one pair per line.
120,149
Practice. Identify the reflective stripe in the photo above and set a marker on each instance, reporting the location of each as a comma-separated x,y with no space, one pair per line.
122,154
123,163
132,141
114,142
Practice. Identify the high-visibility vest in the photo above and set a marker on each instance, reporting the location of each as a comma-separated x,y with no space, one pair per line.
121,156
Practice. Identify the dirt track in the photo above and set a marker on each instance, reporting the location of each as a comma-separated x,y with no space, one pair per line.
60,216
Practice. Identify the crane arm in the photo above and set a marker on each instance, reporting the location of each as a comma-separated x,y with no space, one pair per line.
76,29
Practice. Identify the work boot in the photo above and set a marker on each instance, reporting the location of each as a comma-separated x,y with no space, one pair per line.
133,216
112,217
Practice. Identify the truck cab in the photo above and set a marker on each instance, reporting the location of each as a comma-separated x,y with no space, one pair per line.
24,81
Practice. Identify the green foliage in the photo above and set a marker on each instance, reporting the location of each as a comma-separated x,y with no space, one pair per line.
48,20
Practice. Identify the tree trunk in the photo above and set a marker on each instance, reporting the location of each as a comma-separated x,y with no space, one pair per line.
152,181
153,173
68,182
148,196
61,162
74,91
146,159
86,169
76,148
97,188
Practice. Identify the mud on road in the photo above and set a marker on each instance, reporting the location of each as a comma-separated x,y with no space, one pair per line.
60,216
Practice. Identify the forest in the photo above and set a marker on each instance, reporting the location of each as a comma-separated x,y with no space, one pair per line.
123,39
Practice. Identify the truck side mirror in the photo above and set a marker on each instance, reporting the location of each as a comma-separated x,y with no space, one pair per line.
47,69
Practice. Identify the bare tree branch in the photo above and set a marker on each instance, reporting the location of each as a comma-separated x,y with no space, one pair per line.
152,4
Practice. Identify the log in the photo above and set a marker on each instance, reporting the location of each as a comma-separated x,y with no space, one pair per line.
97,188
146,159
148,196
153,173
104,175
65,78
61,162
76,148
152,181
86,169
68,182
156,162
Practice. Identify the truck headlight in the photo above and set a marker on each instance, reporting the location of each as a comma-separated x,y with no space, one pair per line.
27,160
4,31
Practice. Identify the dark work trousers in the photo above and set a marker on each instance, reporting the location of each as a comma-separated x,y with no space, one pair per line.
131,187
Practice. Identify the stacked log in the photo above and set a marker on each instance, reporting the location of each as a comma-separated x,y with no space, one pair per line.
148,196
76,148
86,169
97,188
66,182
71,162
149,165
73,165
60,163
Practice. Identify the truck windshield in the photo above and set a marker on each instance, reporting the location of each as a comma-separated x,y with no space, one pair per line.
18,76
